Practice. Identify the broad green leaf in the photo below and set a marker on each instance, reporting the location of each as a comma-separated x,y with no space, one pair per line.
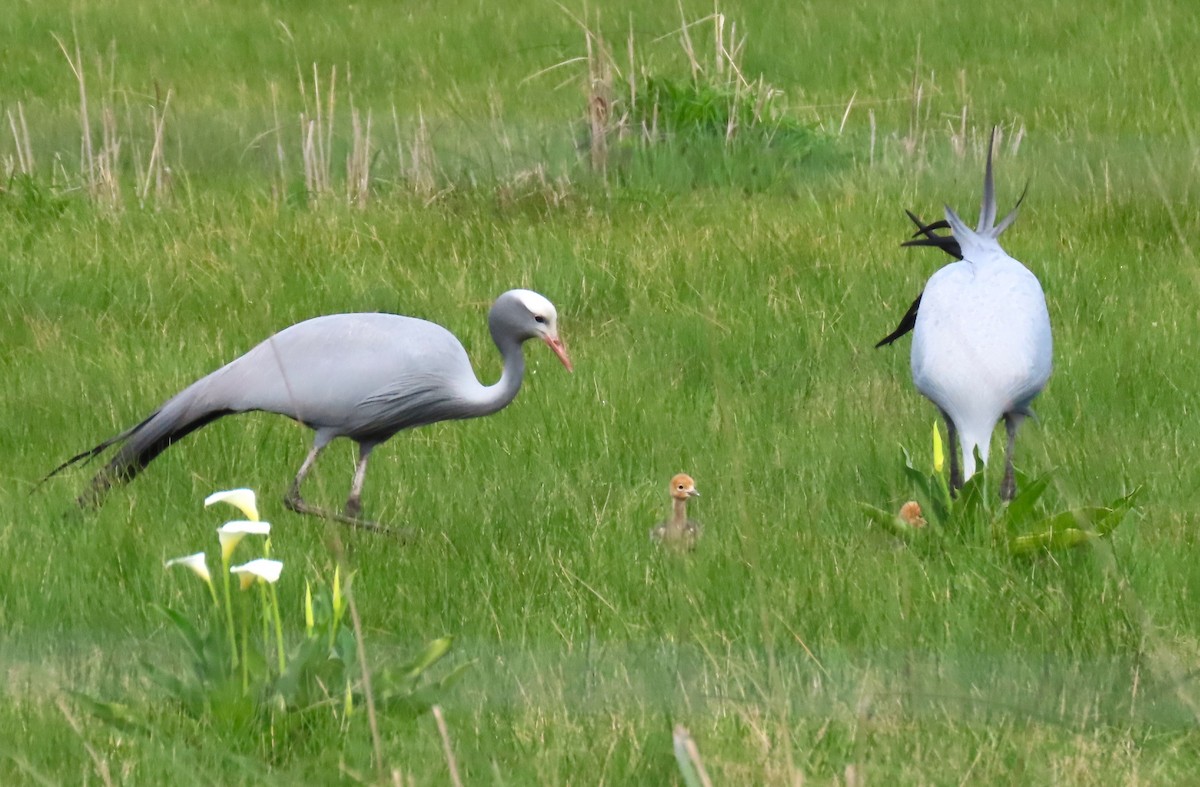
1063,538
454,675
433,654
929,488
185,628
1117,510
114,714
1021,506
304,661
940,498
971,505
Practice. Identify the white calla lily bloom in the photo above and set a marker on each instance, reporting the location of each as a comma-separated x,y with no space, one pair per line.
242,499
196,563
263,569
232,533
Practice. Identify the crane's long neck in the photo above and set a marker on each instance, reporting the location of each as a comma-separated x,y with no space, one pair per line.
679,513
505,389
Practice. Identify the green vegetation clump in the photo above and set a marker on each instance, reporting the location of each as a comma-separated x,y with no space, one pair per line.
750,115
721,306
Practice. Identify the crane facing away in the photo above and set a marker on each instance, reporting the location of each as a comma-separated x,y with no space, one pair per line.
982,347
361,376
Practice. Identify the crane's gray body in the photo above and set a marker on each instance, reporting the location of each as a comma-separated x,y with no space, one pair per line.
982,346
361,376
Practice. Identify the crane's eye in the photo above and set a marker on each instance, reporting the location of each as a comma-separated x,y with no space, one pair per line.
681,486
539,318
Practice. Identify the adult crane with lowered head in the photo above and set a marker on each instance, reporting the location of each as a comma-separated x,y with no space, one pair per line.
361,376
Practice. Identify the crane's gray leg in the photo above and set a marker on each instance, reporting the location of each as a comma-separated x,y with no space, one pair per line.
296,503
956,479
354,502
1008,487
292,499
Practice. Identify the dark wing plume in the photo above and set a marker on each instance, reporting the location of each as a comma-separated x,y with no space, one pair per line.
926,235
906,324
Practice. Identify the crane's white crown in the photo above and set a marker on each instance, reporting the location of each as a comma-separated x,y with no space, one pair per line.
538,305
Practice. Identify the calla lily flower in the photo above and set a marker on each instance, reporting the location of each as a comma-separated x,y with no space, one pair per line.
263,569
939,456
196,563
309,619
232,533
242,499
339,598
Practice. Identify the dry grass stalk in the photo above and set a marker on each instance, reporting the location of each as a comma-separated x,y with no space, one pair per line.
912,139
107,183
281,188
725,57
846,114
631,72
309,156
338,549
99,170
686,41
358,160
418,165
724,65
958,139
20,130
156,174
599,103
316,134
685,747
1017,136
85,123
98,761
871,121
318,122
534,186
914,142
455,779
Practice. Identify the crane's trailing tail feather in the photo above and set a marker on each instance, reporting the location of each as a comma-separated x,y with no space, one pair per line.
140,444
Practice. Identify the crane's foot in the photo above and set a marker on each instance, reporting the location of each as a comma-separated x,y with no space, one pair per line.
1008,487
295,503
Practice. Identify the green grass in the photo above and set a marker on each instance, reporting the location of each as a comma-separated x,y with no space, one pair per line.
720,308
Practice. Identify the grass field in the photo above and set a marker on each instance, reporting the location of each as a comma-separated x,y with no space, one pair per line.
720,305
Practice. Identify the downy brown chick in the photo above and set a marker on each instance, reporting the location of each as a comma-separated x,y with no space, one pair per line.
678,531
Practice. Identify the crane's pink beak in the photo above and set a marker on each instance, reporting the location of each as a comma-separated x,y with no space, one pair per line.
560,350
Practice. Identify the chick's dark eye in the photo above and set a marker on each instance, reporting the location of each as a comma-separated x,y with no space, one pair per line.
539,318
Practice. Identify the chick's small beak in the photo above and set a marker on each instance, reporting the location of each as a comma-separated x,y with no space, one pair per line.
693,492
560,350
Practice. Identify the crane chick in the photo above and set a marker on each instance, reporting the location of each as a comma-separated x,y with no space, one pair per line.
679,532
